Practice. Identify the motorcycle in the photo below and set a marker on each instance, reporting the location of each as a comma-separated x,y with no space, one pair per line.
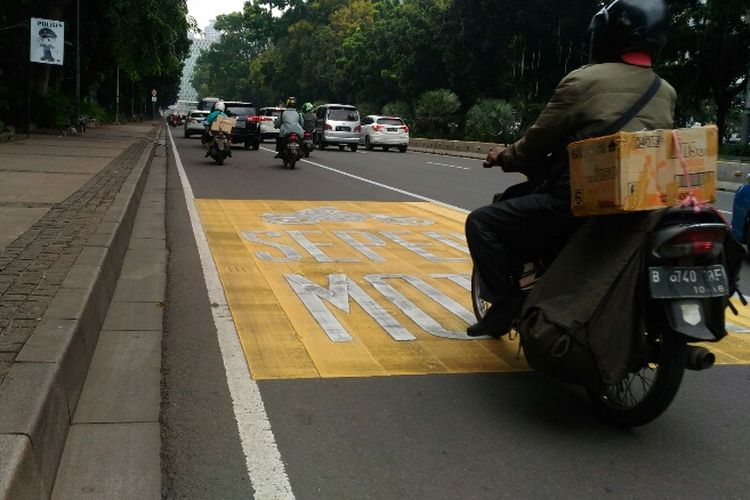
219,149
292,151
307,143
688,290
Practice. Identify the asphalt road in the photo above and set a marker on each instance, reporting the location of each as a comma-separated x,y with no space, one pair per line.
504,435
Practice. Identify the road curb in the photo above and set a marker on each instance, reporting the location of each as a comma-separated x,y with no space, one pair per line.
40,393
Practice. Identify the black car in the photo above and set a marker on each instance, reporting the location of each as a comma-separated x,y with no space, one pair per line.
247,130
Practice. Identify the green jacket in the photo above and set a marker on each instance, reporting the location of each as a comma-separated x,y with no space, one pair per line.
585,103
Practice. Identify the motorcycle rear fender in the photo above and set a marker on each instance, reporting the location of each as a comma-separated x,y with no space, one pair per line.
688,317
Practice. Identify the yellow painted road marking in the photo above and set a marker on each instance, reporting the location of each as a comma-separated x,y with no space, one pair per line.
351,289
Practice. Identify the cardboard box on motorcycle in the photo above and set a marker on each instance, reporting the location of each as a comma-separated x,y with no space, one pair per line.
223,124
631,171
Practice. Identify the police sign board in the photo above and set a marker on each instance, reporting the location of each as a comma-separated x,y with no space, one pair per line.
47,41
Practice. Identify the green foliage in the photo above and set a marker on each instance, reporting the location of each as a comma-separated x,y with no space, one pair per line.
736,150
54,111
146,39
436,113
93,110
492,120
367,108
399,108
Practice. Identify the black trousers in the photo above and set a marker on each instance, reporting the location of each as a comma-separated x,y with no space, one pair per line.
520,227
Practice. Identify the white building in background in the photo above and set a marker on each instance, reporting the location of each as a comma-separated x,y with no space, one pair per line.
210,36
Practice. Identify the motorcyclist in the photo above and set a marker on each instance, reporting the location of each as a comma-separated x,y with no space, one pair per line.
289,122
217,110
308,117
535,216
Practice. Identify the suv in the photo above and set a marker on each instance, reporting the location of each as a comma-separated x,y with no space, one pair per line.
246,131
194,122
207,103
336,124
385,131
268,129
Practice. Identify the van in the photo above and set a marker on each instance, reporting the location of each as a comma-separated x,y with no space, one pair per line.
337,125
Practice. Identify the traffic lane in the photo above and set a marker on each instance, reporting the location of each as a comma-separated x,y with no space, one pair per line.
505,436
257,175
461,182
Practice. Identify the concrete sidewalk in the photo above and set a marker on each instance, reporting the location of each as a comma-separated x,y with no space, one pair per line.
67,210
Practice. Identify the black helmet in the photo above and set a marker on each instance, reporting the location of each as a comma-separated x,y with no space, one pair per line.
627,26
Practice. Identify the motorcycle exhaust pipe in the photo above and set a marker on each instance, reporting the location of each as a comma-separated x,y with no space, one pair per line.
699,358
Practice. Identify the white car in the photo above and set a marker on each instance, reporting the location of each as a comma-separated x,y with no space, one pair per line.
194,122
266,117
385,132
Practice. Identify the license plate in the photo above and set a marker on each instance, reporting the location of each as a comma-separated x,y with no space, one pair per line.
343,129
392,130
687,282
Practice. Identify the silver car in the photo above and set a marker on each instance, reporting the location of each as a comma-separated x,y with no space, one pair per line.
194,123
385,132
337,125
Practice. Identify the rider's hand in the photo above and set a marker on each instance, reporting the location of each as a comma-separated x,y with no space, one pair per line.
493,157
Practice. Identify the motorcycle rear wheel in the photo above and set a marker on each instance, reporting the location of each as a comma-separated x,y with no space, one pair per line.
645,394
478,303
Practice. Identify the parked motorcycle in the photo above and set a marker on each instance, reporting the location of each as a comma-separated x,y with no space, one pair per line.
689,279
220,148
292,151
307,143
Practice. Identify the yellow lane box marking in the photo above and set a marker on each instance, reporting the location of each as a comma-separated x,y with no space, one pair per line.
351,289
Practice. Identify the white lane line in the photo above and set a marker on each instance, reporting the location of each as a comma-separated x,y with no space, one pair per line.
380,184
447,165
262,457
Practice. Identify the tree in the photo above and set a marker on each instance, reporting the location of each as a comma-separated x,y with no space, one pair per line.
492,120
436,111
707,55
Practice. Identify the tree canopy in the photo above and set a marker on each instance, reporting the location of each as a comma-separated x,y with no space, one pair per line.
383,51
146,39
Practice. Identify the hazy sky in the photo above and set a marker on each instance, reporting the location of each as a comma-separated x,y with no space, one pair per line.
205,10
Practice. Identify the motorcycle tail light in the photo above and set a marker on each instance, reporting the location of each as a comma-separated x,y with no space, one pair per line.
307,134
693,243
293,137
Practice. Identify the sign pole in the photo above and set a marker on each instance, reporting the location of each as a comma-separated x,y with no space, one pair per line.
78,61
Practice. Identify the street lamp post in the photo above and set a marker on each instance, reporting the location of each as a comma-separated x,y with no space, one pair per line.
78,61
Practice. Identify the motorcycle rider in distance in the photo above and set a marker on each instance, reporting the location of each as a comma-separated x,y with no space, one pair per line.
308,117
289,121
216,111
534,218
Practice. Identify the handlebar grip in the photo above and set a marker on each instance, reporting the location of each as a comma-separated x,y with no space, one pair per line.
486,164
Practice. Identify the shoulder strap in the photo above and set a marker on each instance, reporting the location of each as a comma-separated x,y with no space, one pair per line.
635,108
